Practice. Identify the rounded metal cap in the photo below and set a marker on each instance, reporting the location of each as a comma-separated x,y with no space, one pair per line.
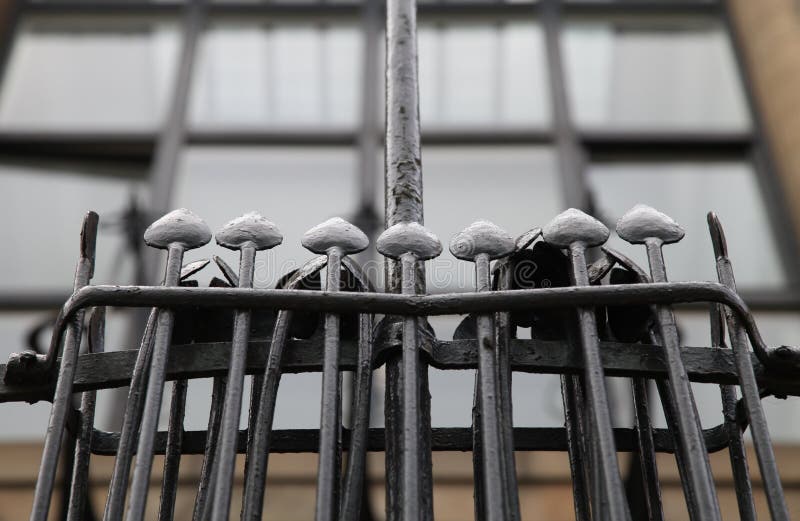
410,238
643,222
178,227
573,226
481,237
250,228
335,233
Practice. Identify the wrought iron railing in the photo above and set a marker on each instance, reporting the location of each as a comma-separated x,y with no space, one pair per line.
588,320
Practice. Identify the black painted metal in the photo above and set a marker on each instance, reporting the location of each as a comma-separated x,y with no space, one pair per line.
597,494
247,234
79,493
66,370
644,225
736,448
115,501
750,392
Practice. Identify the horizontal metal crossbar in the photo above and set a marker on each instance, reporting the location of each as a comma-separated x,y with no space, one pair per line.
204,360
782,358
547,439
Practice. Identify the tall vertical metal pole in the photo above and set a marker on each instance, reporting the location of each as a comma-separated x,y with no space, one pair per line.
403,203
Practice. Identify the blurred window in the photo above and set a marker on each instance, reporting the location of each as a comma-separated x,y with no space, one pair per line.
291,74
634,76
488,74
46,203
89,73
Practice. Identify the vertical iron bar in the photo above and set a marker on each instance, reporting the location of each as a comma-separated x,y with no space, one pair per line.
263,411
79,493
609,484
695,456
256,384
115,501
225,454
200,510
574,425
506,406
258,456
62,397
670,414
330,448
353,491
494,505
410,455
747,380
645,450
354,495
66,465
172,456
477,453
140,483
736,449
407,377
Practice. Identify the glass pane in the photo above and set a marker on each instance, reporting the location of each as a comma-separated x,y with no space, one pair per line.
517,188
627,75
283,75
686,192
89,74
482,74
46,205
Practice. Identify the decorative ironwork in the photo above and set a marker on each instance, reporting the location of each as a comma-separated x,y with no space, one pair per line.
625,330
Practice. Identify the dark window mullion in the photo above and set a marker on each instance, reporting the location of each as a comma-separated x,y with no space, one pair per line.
570,153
